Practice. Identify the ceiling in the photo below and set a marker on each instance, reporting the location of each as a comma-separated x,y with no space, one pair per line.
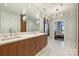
47,8
51,7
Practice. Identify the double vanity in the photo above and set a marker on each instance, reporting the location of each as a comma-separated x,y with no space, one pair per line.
22,44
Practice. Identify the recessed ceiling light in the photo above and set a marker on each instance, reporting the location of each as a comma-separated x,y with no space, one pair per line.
44,9
57,9
61,4
5,5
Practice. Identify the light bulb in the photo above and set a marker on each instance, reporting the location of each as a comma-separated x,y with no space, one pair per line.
24,18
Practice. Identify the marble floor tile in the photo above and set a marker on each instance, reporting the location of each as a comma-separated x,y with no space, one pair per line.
56,48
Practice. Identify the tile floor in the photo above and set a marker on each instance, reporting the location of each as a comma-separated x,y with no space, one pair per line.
56,48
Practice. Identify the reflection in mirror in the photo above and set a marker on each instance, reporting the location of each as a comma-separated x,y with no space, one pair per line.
10,17
59,30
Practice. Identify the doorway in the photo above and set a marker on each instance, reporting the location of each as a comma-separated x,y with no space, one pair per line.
46,26
59,32
22,24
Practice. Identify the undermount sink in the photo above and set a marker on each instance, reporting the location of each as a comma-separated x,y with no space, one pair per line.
9,38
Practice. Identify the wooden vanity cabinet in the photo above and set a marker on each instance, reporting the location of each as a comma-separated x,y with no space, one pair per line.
3,51
32,47
12,49
26,47
44,41
22,47
38,43
8,49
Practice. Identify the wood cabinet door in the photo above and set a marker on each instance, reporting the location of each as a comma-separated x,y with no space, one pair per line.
4,50
44,40
12,49
38,43
8,49
19,52
23,48
32,47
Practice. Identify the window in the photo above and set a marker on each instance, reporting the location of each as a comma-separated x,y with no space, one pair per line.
62,27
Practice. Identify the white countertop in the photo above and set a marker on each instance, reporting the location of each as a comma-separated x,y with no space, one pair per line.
20,36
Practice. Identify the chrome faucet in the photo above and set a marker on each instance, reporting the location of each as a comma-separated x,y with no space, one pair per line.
11,31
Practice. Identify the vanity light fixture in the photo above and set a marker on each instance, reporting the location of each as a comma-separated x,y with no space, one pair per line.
24,18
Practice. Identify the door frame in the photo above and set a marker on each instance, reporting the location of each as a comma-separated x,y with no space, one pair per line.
78,30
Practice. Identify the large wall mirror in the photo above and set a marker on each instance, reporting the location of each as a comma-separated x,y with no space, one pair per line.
10,17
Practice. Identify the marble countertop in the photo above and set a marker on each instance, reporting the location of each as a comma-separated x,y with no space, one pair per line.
19,36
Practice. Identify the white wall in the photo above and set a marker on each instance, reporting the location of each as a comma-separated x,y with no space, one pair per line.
51,28
74,27
0,21
71,28
67,35
42,22
9,19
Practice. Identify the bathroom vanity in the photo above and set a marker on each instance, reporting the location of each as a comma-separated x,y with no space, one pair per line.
23,45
